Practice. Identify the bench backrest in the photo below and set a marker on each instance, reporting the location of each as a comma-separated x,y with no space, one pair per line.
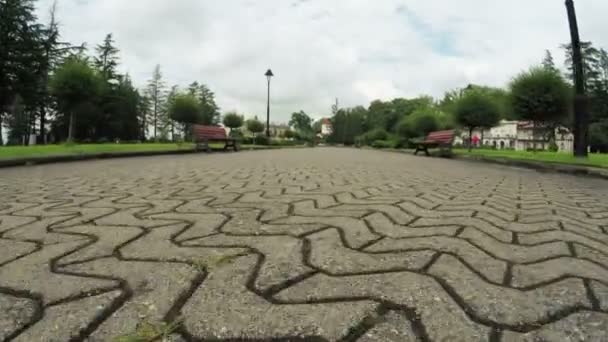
209,132
442,137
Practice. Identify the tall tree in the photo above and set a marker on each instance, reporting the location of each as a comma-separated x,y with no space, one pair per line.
19,55
54,51
171,96
347,125
591,57
301,122
156,94
106,60
210,109
548,62
76,86
143,110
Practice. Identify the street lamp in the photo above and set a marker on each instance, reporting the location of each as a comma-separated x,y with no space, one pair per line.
268,75
581,117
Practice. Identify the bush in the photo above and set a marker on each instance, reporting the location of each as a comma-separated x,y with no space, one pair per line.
553,147
382,144
398,142
370,137
261,140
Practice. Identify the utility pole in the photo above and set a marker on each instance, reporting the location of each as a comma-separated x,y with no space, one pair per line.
581,115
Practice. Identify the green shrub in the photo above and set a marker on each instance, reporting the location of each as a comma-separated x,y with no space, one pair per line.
398,142
261,140
382,144
370,137
553,147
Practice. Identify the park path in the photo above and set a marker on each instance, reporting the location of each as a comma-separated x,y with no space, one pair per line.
319,244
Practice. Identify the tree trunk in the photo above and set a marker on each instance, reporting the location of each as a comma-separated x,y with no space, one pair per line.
470,139
71,128
42,123
172,131
1,138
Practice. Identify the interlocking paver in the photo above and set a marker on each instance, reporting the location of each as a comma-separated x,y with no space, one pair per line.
324,244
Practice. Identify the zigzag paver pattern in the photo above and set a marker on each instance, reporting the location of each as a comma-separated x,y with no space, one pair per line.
324,244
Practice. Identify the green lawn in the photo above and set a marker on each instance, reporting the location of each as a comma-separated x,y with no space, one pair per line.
18,152
597,160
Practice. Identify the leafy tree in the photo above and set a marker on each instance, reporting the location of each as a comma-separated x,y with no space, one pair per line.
210,110
541,96
255,126
107,58
301,122
289,134
475,109
186,109
156,94
234,121
348,125
598,134
419,124
75,86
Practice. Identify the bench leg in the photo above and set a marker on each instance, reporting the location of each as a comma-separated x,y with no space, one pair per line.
206,146
417,150
426,151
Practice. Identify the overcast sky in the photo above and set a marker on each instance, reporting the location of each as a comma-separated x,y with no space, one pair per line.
355,50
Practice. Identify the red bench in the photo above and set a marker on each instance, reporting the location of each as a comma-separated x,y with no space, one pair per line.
441,139
205,134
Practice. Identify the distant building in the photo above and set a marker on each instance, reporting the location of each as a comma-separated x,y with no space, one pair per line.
278,130
327,128
519,136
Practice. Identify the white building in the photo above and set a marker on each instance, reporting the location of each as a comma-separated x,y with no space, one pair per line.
519,135
327,128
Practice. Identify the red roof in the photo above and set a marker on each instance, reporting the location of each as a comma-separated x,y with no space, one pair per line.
326,121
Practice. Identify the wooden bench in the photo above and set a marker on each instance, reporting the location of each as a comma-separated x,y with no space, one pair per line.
441,139
205,134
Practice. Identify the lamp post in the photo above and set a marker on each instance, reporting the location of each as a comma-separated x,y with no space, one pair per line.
269,75
581,117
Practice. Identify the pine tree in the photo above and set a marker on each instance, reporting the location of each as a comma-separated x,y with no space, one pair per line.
107,58
54,53
156,94
170,123
210,110
19,59
548,62
143,109
590,62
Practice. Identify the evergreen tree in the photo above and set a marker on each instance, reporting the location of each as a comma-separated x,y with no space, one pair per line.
591,57
107,58
171,124
156,94
20,55
548,62
209,108
54,53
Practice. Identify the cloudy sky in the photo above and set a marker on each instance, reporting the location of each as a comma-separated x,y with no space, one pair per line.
354,50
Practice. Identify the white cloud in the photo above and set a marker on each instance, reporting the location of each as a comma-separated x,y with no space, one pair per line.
356,50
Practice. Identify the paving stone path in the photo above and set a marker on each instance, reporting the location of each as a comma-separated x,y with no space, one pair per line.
315,244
